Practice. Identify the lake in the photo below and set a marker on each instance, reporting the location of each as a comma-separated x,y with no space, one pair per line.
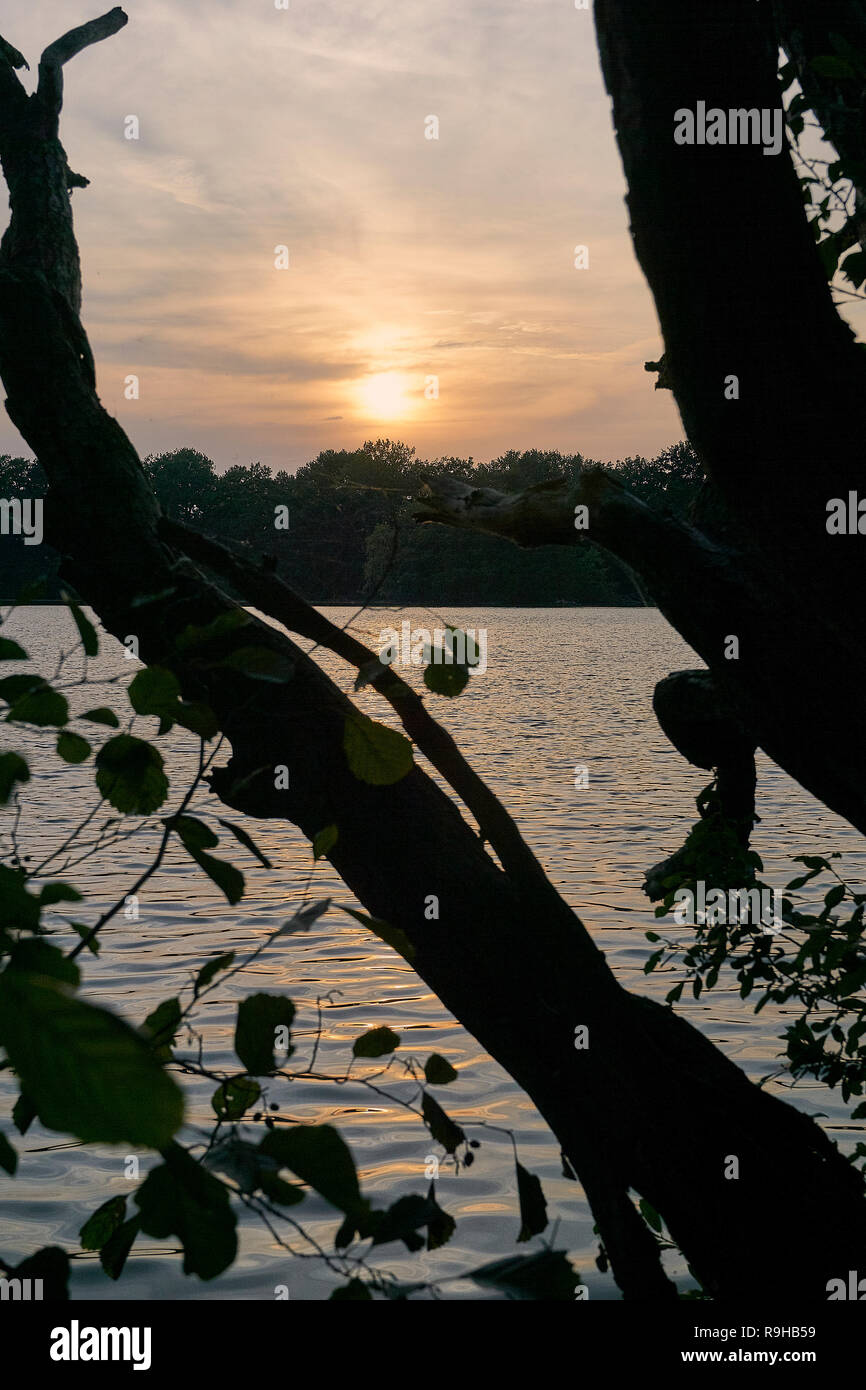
563,687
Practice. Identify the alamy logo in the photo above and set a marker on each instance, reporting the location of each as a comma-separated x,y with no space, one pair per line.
846,518
21,1290
22,518
735,127
716,906
76,1343
417,646
854,1290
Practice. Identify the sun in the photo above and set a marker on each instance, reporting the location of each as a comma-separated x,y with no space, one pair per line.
383,396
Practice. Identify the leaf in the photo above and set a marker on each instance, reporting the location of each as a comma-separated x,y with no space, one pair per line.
261,664
438,1071
40,705
441,1126
101,1226
114,1252
160,1028
831,65
51,1265
546,1276
181,1198
195,836
394,937
318,1155
72,748
533,1207
324,841
102,715
304,918
85,1071
193,832
441,1226
227,878
156,691
355,1291
247,841
39,958
834,895
209,970
59,893
233,1097
376,1043
8,1156
447,678
19,910
23,1113
153,691
83,931
129,774
376,754
86,630
10,651
650,1215
259,1015
13,769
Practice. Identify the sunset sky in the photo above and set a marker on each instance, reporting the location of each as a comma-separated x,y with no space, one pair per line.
409,257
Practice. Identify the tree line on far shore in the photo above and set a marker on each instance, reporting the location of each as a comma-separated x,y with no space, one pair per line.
350,534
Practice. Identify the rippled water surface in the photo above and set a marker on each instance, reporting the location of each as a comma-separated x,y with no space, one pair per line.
563,687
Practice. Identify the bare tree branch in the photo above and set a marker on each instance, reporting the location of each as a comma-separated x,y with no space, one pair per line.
50,88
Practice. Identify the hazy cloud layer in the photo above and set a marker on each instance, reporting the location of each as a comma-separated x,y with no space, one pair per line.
409,257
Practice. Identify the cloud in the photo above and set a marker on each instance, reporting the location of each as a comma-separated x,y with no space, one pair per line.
452,257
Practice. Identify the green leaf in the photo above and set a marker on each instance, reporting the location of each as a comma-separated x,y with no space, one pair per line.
51,1265
129,774
261,664
85,1071
23,1113
545,1276
441,1126
247,841
319,1156
441,1226
438,1071
259,1015
210,969
101,1226
831,65
181,1198
193,832
355,1291
160,1028
447,678
8,1156
376,1043
40,705
154,691
114,1252
834,895
650,1216
86,630
394,937
59,893
376,754
72,748
533,1207
83,931
324,841
102,715
38,957
10,651
232,1098
13,769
